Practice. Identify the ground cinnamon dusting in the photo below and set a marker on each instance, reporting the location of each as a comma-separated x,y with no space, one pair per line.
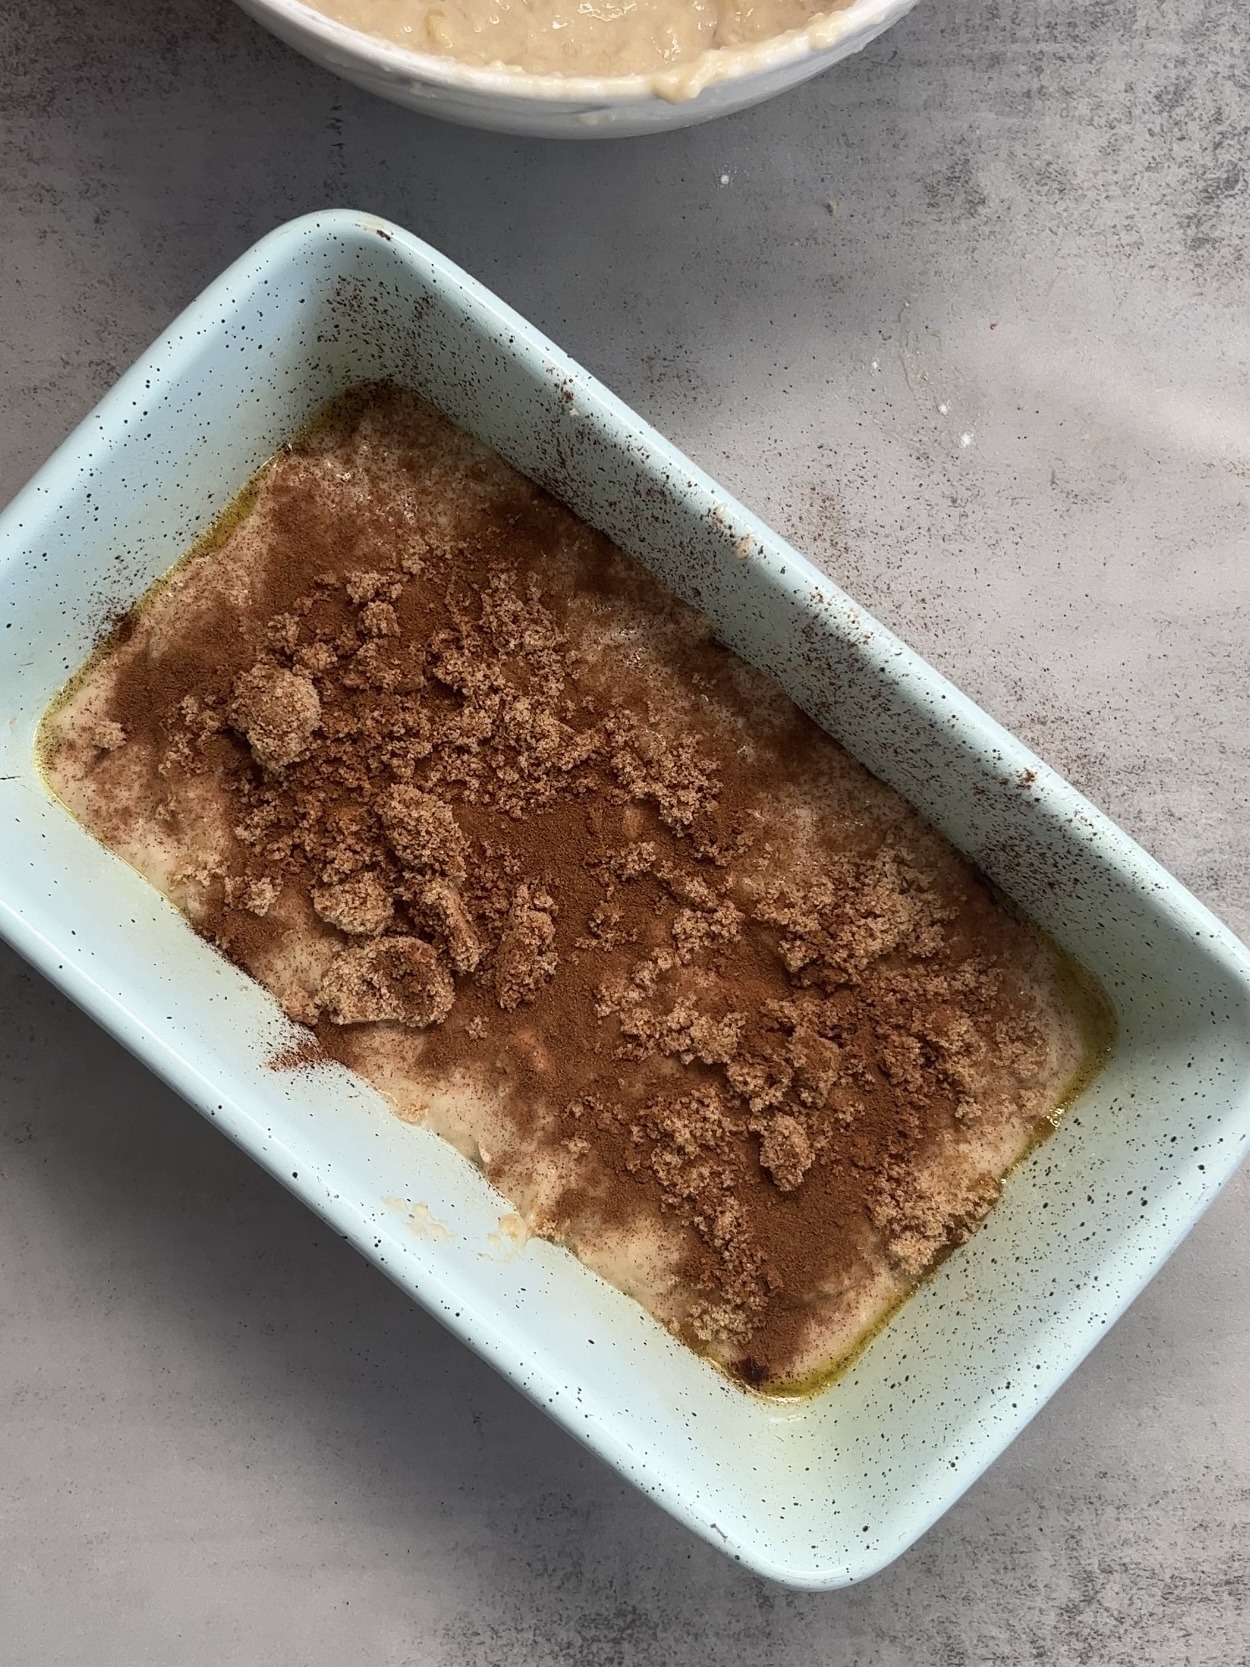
491,812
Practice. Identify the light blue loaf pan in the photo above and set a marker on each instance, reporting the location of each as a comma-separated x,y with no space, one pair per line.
815,1494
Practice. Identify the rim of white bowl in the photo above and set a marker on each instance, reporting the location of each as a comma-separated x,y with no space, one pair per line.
715,66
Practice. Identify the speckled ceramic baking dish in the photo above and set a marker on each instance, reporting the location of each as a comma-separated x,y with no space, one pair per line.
818,1493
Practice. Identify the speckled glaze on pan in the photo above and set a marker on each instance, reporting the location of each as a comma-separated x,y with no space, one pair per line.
817,1493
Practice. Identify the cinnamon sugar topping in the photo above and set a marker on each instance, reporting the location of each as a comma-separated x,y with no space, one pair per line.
488,808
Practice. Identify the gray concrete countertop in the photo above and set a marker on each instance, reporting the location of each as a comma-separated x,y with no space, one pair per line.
967,318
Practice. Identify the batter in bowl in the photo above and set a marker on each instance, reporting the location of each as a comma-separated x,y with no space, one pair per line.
576,37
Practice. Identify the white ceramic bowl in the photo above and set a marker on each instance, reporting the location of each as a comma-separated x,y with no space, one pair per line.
816,1493
572,107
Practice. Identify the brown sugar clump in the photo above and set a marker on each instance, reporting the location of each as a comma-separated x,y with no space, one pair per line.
439,906
108,735
668,770
360,905
256,896
817,1065
786,1152
925,1212
423,832
762,1080
377,619
689,1146
279,712
364,586
397,978
525,960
